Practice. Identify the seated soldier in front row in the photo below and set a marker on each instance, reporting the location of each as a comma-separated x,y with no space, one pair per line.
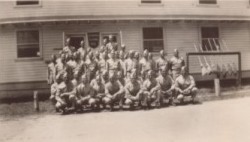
133,92
150,90
85,94
114,92
185,86
166,85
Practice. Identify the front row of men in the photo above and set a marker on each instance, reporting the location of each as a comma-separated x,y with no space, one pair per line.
152,92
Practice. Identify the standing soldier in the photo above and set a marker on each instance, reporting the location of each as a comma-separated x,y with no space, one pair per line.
162,62
61,65
104,47
176,63
133,92
123,50
145,65
112,45
114,92
60,97
166,84
122,62
52,70
102,64
153,64
113,65
82,50
129,64
91,66
67,49
97,56
150,90
185,86
136,63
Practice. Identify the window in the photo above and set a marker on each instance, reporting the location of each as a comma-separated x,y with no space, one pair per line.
208,1
28,44
150,1
27,2
210,38
153,39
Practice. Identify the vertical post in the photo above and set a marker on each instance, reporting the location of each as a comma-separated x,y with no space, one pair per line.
36,101
217,86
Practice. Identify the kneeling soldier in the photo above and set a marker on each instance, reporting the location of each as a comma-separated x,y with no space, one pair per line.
133,90
99,88
85,94
166,84
150,89
185,86
114,92
61,89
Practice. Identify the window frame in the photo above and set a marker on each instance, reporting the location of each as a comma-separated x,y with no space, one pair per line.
163,40
102,34
201,39
39,43
31,5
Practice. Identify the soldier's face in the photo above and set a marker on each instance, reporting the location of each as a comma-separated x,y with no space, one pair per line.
176,53
164,73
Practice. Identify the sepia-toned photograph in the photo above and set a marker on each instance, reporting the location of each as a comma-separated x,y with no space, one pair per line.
124,70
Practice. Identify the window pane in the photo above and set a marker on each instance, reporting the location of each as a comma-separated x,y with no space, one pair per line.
208,1
210,44
28,51
210,32
24,37
153,46
152,33
107,37
27,2
150,1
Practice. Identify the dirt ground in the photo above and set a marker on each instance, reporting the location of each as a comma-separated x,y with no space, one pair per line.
226,120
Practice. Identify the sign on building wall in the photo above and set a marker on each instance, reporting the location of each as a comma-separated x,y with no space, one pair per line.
93,39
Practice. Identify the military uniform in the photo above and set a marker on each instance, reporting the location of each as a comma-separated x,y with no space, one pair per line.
166,87
51,73
99,89
91,66
145,67
162,63
150,90
113,65
133,93
84,94
176,65
185,86
114,92
83,53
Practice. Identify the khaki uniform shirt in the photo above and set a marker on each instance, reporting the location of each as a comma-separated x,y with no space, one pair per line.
184,83
165,83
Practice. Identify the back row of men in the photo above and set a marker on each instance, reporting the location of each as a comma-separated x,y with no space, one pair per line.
81,78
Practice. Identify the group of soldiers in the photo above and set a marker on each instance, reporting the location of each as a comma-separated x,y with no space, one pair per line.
84,78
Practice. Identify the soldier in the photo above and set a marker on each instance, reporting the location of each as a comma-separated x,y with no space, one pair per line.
162,62
121,78
166,84
82,50
84,94
71,66
176,63
129,64
91,66
53,91
112,45
136,63
123,50
104,47
150,90
99,88
60,97
122,62
105,76
113,65
61,65
102,64
52,70
97,56
133,92
68,49
114,92
153,64
185,86
145,65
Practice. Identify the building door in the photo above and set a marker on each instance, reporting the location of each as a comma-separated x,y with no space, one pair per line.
75,39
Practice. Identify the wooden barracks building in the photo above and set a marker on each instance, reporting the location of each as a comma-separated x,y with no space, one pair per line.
31,30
